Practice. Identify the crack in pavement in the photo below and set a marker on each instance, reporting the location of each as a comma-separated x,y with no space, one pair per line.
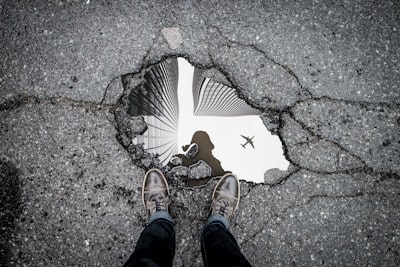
24,100
309,95
284,179
108,88
314,197
307,201
362,106
316,137
306,92
253,236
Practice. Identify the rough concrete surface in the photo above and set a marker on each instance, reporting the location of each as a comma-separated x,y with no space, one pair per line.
325,75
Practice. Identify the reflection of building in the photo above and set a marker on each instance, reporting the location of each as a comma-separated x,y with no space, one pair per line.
214,98
157,101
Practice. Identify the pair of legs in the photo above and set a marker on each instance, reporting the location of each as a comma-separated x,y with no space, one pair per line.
156,245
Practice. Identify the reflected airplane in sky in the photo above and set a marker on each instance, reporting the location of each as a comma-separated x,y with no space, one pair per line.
248,141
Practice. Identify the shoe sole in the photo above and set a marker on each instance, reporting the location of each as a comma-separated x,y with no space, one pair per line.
220,181
144,181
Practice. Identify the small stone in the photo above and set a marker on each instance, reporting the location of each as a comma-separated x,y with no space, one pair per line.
137,125
192,151
176,161
199,170
180,171
173,37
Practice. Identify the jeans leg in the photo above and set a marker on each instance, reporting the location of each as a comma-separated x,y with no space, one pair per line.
156,244
218,246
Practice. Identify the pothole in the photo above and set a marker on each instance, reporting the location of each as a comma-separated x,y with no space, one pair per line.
191,123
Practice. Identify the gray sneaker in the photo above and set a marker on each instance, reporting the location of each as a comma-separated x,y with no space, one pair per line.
155,192
226,195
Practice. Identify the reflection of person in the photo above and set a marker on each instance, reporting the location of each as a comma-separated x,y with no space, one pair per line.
156,245
205,147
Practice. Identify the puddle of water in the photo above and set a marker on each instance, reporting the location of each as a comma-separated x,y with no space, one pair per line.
226,134
168,105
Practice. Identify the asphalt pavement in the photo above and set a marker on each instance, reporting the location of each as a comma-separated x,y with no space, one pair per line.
325,76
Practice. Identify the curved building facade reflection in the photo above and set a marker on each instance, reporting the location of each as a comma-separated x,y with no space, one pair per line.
213,97
157,101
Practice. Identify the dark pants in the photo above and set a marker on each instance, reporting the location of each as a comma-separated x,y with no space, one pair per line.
156,246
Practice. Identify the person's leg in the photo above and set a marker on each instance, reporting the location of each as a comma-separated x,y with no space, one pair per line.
218,246
156,245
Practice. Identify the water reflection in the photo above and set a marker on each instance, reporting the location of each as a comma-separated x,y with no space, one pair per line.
156,100
209,107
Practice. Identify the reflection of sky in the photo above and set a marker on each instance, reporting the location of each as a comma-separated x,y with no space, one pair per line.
249,164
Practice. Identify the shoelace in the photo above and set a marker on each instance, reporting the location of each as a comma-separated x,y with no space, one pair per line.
160,205
223,203
222,210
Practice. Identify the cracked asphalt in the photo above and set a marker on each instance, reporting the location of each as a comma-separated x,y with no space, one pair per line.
325,75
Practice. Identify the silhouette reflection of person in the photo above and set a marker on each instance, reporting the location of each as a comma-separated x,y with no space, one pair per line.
205,147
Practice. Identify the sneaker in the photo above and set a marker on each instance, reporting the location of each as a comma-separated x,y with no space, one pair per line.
226,195
155,192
